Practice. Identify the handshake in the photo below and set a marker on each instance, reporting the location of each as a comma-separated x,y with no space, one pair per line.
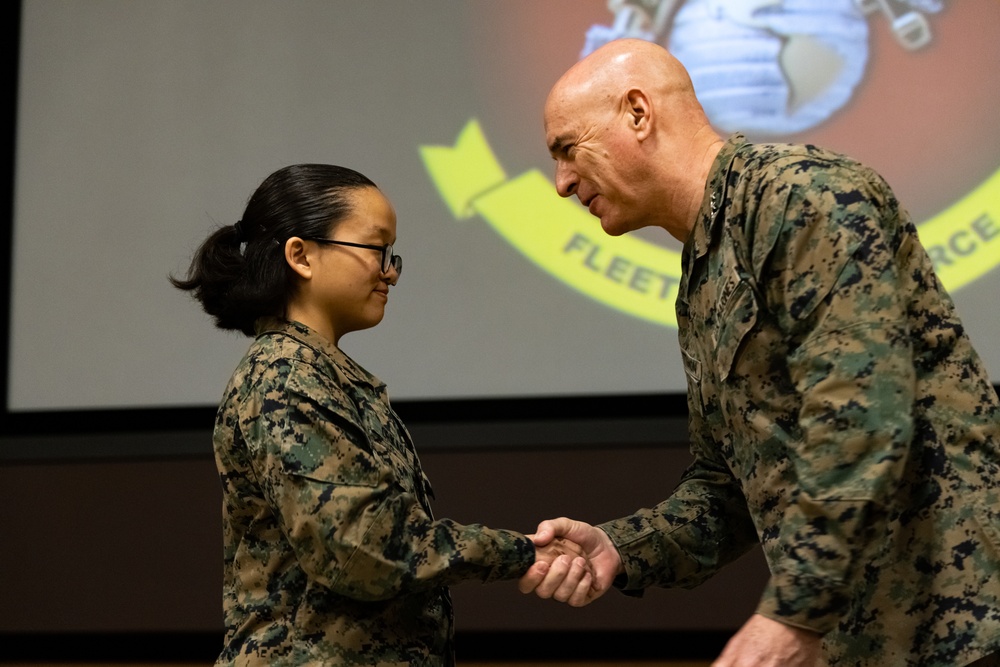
574,562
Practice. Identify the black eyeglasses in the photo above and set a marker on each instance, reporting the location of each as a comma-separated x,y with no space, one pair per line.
389,260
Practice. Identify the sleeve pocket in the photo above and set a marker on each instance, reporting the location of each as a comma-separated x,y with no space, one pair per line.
322,440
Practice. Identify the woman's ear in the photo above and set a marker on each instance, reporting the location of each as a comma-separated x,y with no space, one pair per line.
297,256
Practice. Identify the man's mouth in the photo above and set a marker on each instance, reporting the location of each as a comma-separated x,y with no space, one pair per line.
592,205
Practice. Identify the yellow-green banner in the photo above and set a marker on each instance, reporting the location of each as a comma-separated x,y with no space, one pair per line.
635,276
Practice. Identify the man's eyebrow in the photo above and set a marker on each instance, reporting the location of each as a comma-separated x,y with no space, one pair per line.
558,144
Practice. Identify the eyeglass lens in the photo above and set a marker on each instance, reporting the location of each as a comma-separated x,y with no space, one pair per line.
390,260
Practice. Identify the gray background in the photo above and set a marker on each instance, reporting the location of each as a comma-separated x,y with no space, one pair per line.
143,125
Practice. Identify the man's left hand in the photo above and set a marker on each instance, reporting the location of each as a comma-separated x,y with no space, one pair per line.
762,642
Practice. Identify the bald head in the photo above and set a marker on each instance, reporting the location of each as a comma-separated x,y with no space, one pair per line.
604,76
630,138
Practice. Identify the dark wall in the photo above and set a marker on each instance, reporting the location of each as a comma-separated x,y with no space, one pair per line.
134,544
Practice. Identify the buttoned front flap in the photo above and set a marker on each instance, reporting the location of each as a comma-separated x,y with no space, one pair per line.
738,319
988,518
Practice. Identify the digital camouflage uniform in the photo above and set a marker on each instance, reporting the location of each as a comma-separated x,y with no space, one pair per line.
332,555
838,414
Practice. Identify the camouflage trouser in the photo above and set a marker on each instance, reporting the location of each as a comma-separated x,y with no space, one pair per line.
988,661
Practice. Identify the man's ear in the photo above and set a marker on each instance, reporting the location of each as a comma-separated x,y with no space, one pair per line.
639,112
297,256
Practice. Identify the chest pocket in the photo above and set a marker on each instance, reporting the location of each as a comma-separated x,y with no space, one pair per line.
739,315
392,444
692,369
389,450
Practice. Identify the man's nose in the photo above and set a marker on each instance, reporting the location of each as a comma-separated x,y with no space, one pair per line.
566,180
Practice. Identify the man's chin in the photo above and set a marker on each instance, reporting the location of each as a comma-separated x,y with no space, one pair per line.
612,227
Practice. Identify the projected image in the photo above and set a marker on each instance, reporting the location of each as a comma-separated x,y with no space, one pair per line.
772,69
143,126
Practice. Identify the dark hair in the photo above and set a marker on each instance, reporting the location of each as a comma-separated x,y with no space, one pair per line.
239,273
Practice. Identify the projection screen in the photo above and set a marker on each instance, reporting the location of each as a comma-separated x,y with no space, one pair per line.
142,126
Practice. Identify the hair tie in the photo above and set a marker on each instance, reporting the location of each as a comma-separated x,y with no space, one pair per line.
241,234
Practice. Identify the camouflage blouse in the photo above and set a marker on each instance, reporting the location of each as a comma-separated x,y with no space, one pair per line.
839,416
332,555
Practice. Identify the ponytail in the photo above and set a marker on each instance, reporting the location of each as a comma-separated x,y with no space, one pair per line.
239,273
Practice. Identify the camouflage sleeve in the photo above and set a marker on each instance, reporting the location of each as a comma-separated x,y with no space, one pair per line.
353,525
688,537
831,281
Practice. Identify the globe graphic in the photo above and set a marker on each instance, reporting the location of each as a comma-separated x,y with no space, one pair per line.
771,67
760,66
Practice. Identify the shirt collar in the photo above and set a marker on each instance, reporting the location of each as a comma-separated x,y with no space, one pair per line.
714,198
316,342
